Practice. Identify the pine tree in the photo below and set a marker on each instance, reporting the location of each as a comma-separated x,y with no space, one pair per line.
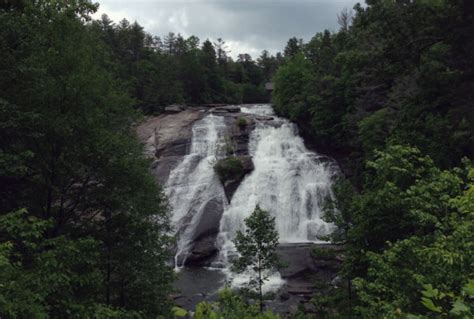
257,248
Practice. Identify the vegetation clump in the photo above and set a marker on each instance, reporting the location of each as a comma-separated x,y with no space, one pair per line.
231,306
229,168
241,122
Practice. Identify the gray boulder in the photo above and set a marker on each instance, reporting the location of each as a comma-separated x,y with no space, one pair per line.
204,246
168,134
174,108
202,252
228,109
210,220
162,167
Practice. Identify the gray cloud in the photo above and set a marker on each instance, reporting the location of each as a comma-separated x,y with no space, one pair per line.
247,26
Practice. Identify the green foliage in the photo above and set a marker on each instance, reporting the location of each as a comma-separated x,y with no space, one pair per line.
229,168
256,248
332,302
373,130
241,122
410,225
230,306
395,75
290,85
158,72
179,312
82,224
432,232
253,94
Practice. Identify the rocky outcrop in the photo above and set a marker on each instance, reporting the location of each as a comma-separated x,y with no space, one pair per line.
305,273
204,239
175,108
304,265
231,171
167,139
227,109
240,134
202,252
210,220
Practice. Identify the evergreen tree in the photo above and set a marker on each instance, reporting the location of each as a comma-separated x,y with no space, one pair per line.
293,46
169,43
257,248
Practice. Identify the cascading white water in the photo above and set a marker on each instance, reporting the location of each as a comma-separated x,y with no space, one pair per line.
289,181
193,183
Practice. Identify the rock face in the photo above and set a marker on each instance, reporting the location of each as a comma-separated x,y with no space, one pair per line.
202,252
204,241
304,268
231,184
167,139
175,108
240,133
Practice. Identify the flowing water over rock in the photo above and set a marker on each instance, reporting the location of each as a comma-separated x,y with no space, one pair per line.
288,180
194,191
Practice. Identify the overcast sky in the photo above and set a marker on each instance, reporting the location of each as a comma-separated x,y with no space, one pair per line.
247,26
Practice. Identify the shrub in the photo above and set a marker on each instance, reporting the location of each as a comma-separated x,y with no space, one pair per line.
231,306
229,168
241,122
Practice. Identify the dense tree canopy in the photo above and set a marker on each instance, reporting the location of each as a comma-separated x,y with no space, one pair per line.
401,72
391,96
177,70
83,226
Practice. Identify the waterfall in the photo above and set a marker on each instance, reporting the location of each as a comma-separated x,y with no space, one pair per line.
193,183
289,181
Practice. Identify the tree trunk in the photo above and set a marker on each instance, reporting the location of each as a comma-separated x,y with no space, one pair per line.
109,256
260,286
349,291
261,294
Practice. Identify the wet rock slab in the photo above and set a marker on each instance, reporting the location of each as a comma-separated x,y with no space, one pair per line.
301,269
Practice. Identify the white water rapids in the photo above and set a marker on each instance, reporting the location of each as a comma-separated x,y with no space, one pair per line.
289,181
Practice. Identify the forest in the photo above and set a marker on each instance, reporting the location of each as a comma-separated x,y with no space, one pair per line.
85,230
